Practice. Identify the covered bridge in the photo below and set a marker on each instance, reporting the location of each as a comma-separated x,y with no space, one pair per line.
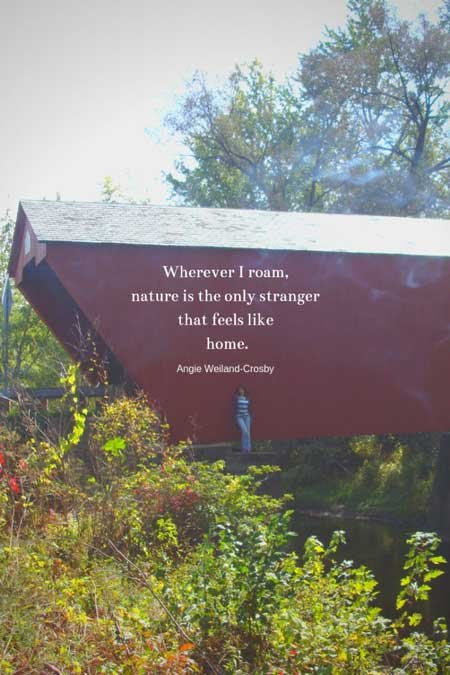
353,337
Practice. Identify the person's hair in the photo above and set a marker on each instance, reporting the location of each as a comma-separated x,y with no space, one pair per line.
241,386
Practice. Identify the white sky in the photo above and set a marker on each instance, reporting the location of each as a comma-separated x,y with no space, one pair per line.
81,81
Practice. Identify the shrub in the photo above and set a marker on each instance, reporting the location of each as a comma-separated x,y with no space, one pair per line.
126,433
119,554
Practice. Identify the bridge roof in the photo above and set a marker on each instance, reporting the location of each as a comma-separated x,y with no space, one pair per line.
148,225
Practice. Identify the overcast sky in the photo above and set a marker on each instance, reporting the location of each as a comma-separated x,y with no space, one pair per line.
82,81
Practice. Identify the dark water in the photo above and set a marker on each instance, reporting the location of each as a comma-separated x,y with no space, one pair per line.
381,547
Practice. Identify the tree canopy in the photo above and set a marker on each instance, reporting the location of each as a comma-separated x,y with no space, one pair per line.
34,357
361,126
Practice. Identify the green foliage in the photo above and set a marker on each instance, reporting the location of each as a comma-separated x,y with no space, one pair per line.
119,554
237,580
336,627
388,77
125,434
110,190
361,127
244,142
421,568
388,475
113,193
35,357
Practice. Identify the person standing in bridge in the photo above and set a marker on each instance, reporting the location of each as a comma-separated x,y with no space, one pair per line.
243,416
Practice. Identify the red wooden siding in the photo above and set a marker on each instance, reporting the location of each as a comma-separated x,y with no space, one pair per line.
371,356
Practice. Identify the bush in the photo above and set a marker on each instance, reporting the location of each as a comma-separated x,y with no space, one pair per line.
119,554
125,434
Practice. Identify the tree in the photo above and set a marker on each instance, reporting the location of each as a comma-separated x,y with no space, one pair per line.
254,144
361,127
444,15
34,355
389,76
246,141
112,193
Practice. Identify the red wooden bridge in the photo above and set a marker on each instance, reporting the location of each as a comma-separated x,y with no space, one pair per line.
368,351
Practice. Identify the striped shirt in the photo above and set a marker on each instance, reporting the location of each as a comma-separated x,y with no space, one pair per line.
242,406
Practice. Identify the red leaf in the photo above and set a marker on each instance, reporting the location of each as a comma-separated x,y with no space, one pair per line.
186,646
14,485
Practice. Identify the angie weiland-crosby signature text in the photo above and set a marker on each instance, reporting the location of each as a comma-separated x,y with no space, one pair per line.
224,368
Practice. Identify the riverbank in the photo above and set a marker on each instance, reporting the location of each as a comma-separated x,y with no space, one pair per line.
342,499
345,514
381,478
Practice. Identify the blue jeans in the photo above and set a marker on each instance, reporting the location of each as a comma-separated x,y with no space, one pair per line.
244,422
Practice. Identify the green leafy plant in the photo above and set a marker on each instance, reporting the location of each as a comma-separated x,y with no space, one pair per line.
122,554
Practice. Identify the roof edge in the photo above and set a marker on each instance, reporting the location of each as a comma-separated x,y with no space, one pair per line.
334,214
21,222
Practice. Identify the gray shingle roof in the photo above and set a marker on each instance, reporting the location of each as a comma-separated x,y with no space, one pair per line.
92,222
